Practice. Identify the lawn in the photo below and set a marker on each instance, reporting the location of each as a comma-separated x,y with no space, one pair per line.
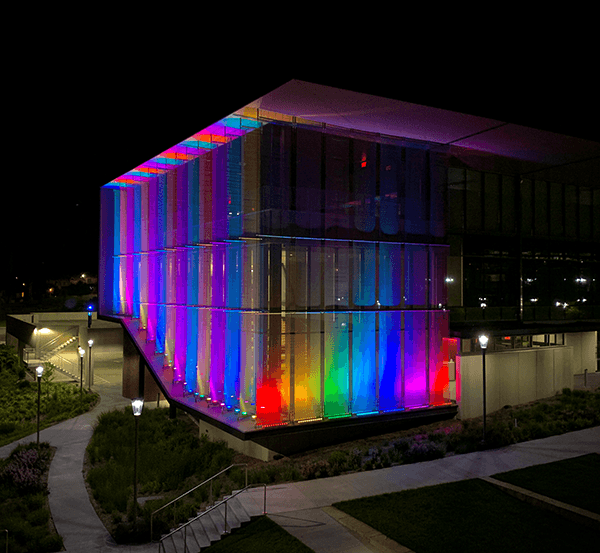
261,534
468,517
569,481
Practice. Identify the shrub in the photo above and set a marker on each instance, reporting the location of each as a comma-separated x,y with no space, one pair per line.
424,451
338,461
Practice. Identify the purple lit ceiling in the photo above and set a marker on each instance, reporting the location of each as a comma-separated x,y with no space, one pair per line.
369,113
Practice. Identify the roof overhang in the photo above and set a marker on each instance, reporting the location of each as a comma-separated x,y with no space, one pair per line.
472,140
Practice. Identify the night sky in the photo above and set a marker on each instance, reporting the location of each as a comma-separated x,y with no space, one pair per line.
79,125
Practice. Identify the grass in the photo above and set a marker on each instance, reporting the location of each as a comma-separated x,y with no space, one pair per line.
24,509
261,534
468,517
569,481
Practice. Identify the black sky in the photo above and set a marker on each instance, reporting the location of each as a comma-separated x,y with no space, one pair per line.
82,121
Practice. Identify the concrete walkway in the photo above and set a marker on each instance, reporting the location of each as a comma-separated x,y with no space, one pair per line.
302,508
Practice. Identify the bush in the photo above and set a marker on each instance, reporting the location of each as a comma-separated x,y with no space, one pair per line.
424,450
338,461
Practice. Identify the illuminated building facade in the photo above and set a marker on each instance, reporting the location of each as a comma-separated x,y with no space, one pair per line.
288,272
277,268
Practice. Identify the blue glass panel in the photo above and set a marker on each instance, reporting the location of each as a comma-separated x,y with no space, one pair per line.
390,274
364,384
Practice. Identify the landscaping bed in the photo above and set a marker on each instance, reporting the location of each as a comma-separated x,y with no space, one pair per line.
24,509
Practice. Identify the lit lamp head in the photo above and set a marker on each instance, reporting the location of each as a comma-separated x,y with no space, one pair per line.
81,352
483,341
137,405
90,343
39,371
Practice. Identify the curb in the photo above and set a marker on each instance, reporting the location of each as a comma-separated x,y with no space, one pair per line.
576,514
374,540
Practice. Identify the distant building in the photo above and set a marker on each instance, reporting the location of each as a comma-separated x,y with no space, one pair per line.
291,265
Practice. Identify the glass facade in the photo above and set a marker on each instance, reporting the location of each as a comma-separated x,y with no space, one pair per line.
521,248
285,271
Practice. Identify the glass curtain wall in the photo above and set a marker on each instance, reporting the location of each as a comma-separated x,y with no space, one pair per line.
290,273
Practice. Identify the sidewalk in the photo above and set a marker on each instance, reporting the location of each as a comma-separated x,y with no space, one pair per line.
301,507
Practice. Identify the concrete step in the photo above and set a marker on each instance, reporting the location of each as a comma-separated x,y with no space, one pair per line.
210,527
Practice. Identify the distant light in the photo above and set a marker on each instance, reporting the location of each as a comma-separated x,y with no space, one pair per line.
449,279
90,343
483,341
39,371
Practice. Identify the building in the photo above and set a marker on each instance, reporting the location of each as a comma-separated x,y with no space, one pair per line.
290,270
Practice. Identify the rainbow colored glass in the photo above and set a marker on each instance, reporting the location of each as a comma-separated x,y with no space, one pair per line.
284,271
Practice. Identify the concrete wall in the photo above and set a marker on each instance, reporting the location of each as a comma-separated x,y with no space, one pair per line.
247,447
584,350
514,377
524,375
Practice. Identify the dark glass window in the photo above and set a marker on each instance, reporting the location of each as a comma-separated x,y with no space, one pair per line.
474,206
492,202
508,205
557,204
571,211
526,207
456,198
540,208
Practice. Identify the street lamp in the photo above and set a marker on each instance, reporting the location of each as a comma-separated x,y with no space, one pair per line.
39,372
81,354
90,344
483,342
137,405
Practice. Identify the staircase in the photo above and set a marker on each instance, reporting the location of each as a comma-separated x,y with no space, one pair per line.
218,520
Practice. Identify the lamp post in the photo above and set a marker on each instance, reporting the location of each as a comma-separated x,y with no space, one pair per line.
81,354
136,405
483,342
90,344
39,372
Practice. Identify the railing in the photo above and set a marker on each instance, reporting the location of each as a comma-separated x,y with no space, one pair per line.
64,365
161,547
210,497
49,347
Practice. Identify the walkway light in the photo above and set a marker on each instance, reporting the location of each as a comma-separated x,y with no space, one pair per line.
39,372
90,344
137,405
81,354
483,342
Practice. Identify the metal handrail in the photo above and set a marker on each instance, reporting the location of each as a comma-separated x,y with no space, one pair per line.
48,347
63,360
215,506
195,488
